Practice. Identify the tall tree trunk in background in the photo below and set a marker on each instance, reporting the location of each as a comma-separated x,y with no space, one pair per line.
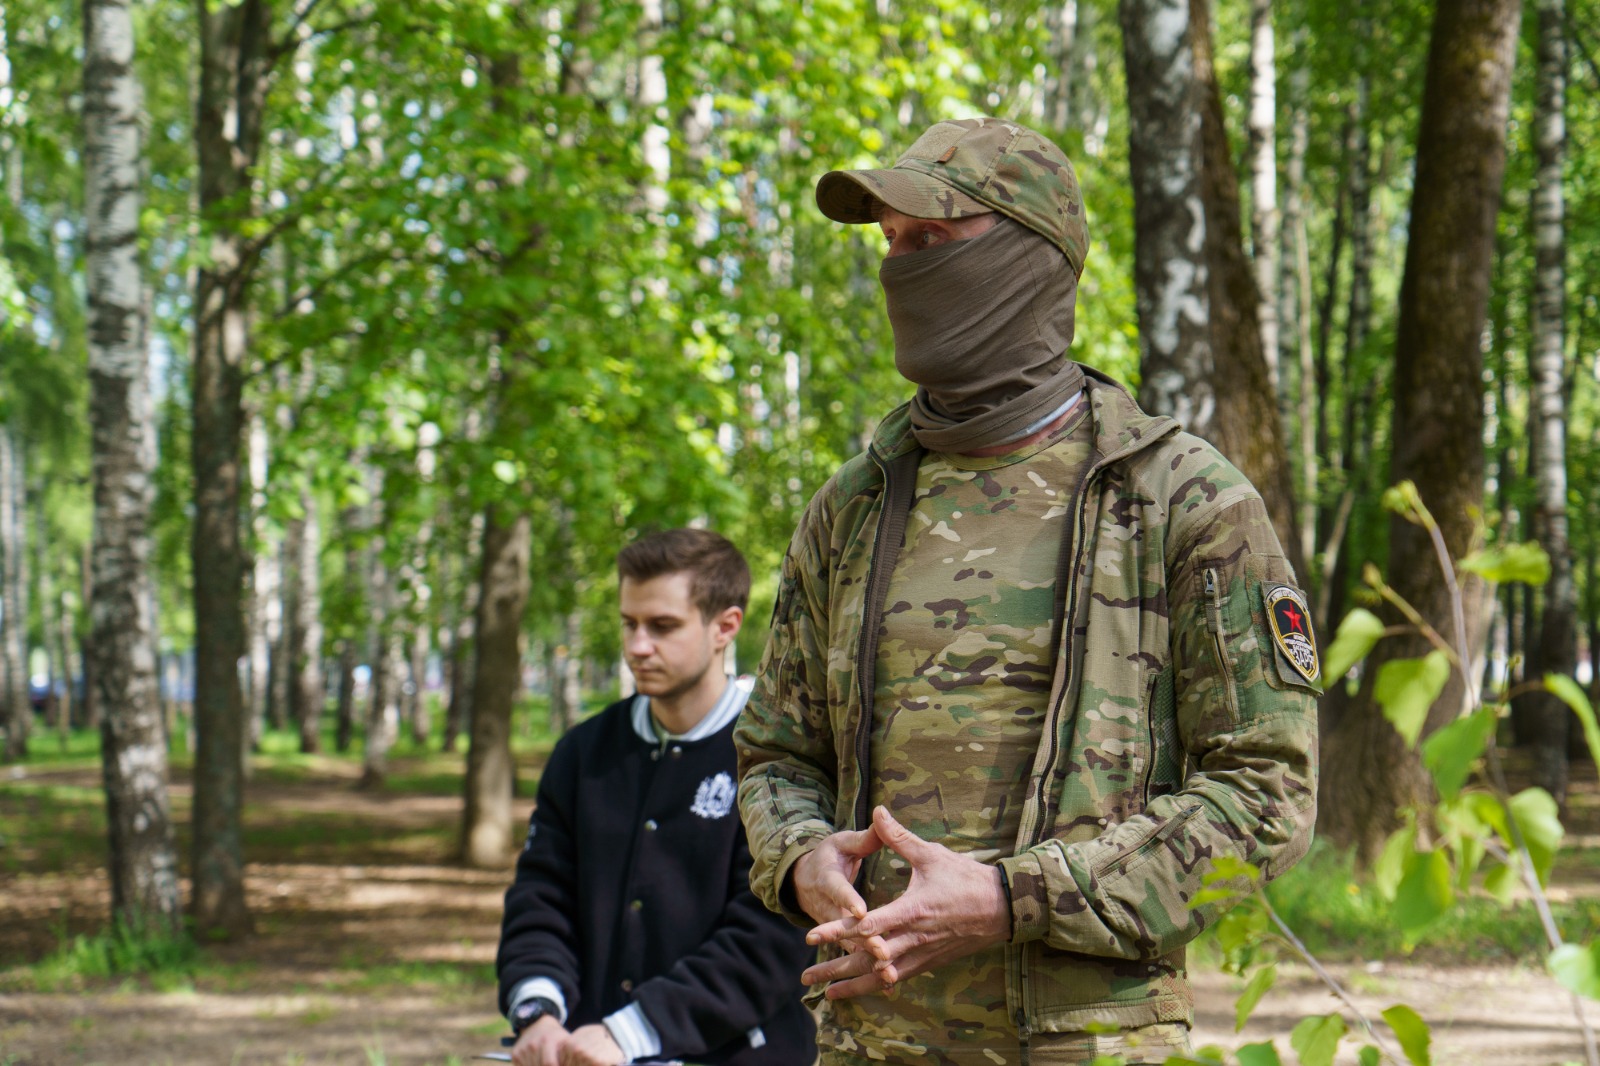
1556,650
1070,102
231,91
264,620
1358,320
345,726
1368,774
1247,428
566,675
383,705
1264,180
460,610
51,603
91,710
143,856
486,824
1295,300
349,643
1171,275
13,600
306,687
417,716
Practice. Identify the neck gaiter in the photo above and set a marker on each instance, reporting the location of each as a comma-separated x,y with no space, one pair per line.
982,327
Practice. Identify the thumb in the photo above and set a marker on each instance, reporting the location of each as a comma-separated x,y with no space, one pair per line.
858,844
899,839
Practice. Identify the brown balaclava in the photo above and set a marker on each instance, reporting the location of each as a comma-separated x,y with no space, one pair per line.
981,326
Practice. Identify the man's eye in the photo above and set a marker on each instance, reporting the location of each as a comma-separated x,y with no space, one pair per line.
928,238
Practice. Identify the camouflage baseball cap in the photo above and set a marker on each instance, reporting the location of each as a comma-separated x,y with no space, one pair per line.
971,166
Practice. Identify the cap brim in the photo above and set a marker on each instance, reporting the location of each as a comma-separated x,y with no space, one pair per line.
848,195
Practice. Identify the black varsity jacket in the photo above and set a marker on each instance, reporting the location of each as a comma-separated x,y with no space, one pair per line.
633,886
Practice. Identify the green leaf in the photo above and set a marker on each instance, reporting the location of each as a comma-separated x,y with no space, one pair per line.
1316,1039
1501,883
1357,634
1577,968
1406,688
1369,1056
1451,753
1425,894
1260,983
1259,1055
1539,819
1412,1032
1567,690
1526,563
1391,864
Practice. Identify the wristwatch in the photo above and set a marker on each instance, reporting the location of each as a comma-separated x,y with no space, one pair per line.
531,1010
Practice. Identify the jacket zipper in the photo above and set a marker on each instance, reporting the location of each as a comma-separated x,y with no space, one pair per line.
890,515
1214,623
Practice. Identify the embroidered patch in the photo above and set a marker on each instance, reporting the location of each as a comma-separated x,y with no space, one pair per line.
714,797
1291,630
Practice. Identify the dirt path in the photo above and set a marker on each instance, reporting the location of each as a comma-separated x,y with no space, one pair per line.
371,949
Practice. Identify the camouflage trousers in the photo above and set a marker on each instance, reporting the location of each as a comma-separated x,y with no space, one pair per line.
1144,1046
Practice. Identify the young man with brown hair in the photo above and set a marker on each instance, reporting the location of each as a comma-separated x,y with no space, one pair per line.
630,933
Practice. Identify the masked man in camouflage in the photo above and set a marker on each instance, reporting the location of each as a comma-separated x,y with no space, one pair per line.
1037,660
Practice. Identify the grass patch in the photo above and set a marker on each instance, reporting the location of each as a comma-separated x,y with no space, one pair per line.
1341,916
366,976
169,961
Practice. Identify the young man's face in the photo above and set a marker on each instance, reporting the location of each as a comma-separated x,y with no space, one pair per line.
669,647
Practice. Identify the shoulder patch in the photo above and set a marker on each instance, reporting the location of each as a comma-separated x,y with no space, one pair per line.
1290,619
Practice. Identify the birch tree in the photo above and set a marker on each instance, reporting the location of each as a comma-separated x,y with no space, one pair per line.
13,599
1556,649
1170,269
143,866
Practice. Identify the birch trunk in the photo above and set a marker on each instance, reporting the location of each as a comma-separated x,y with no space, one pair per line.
1264,180
1369,775
143,856
1556,649
486,825
232,85
1296,301
1171,276
13,602
306,690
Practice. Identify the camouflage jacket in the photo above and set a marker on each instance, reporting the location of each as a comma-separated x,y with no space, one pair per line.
1181,728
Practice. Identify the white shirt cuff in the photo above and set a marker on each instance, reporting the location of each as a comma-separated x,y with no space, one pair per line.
633,1033
539,986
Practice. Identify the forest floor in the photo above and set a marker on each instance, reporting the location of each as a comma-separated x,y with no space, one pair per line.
371,947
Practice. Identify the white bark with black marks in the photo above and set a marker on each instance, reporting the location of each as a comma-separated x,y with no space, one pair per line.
1264,178
1556,650
143,866
13,600
1170,268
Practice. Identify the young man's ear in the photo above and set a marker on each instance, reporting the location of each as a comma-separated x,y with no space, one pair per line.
726,625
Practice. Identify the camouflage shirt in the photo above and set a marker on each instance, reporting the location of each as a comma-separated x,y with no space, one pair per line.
1180,722
963,675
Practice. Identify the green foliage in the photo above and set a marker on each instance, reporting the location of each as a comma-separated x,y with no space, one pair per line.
1577,967
1316,1040
1453,752
1358,633
1412,1032
1526,564
1406,688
